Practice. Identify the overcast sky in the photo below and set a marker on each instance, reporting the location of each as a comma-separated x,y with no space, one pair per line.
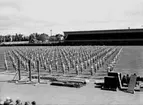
28,16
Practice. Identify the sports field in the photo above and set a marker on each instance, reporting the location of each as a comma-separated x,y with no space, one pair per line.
130,61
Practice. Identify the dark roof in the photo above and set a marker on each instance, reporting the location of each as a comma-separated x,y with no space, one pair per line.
105,31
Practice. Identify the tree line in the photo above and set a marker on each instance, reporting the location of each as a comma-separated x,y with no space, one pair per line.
32,38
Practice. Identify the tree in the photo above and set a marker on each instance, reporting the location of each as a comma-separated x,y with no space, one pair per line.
7,38
25,38
20,37
16,37
37,35
32,38
13,38
1,38
43,37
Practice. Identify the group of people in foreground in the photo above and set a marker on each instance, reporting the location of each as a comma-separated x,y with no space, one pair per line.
9,101
126,79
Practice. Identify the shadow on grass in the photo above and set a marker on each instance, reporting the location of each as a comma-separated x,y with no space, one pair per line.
4,80
106,89
98,86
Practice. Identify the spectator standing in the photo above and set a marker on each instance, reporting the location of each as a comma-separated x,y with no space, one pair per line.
18,102
123,79
128,78
27,103
33,103
7,101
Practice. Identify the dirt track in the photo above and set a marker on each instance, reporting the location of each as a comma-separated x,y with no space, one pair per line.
46,94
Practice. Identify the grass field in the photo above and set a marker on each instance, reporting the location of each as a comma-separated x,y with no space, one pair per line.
130,61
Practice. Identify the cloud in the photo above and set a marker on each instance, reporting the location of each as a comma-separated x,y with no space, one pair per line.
28,16
7,11
12,19
24,23
9,7
67,10
10,3
135,11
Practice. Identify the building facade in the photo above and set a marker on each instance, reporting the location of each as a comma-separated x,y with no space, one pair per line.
120,36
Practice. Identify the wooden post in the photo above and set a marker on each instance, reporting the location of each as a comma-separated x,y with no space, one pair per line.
38,70
19,72
40,59
5,62
29,65
132,83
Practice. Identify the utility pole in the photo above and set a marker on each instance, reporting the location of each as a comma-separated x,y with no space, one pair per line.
38,70
19,72
29,64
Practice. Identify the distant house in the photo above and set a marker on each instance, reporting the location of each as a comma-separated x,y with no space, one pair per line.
57,37
60,37
53,38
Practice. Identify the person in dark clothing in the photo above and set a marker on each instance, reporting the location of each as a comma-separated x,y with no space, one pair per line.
6,103
135,74
27,103
11,102
18,102
33,103
128,78
123,79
